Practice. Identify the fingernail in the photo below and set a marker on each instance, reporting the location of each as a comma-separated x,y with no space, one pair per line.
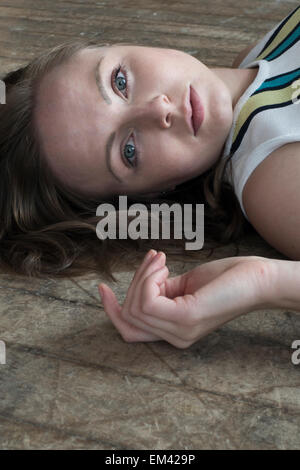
157,256
101,290
151,253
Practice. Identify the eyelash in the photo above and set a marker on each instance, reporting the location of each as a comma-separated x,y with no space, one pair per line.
123,69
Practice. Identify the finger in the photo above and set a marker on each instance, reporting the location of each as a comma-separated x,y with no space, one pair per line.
140,330
146,261
172,310
166,325
161,331
136,329
133,301
174,286
137,275
109,300
155,263
158,272
113,309
146,319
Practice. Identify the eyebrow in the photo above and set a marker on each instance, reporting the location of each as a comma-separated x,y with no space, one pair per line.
109,144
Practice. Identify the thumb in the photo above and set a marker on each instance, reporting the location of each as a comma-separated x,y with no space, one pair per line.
175,286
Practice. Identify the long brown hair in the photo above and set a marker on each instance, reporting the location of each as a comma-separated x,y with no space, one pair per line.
47,230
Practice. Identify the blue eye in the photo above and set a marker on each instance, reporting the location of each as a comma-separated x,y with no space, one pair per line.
129,153
120,81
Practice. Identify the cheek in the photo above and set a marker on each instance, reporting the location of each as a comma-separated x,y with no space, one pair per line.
173,155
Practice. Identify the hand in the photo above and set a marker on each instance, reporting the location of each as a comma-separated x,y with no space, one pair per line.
185,308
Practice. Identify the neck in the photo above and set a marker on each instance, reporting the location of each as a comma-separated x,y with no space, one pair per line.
236,80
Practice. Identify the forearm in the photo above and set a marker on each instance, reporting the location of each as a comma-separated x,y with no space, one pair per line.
247,283
286,292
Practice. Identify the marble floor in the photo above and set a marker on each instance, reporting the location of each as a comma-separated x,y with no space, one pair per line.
70,381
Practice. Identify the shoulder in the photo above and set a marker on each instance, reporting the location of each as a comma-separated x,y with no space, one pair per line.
271,199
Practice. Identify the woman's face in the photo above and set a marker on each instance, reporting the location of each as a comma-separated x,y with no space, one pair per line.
139,115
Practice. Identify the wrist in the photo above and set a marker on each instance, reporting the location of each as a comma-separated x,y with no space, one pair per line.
285,286
268,279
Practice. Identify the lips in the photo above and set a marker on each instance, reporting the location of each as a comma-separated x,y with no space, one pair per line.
197,110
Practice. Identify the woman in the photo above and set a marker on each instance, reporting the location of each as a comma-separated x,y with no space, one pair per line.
85,123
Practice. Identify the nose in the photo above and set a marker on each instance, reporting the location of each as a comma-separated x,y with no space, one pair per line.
158,111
